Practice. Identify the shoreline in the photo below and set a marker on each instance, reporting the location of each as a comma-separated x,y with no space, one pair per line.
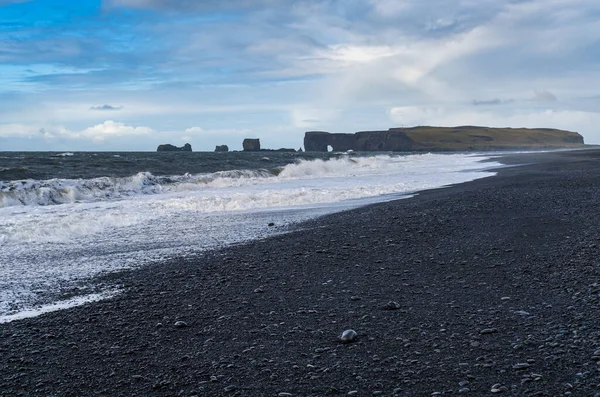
494,281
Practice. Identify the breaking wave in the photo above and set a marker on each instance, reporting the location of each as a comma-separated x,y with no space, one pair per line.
29,192
63,191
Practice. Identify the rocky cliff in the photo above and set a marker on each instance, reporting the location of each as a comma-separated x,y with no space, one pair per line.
251,145
171,148
465,138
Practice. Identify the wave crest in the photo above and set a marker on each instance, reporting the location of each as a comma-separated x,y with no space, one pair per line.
62,191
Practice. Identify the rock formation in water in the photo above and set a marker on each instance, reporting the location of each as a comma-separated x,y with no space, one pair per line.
221,148
171,148
465,138
251,145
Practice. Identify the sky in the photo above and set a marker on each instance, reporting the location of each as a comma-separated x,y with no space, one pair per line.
121,75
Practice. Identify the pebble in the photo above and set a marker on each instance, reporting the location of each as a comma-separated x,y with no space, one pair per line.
464,390
180,324
348,336
258,291
391,305
521,366
284,394
353,392
488,331
229,388
498,388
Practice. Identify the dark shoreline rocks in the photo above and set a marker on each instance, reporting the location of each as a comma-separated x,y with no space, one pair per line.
516,253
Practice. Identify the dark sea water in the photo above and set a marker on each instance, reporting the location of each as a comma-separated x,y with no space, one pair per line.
87,165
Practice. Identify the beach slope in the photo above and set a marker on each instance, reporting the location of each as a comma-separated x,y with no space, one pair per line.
491,286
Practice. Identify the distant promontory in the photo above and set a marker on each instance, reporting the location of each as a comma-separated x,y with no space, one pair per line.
464,138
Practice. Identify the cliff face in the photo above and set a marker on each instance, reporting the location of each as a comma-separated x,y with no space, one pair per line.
464,138
364,141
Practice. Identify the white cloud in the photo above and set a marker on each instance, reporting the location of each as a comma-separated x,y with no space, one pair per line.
17,130
544,96
390,8
217,131
97,132
111,129
195,130
414,115
312,117
351,54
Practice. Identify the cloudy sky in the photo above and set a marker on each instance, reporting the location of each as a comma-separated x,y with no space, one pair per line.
131,74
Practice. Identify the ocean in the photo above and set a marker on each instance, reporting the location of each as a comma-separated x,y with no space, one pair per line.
68,217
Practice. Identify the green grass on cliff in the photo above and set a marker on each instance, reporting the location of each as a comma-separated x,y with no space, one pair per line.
486,138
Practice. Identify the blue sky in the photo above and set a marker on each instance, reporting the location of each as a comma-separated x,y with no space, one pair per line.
132,74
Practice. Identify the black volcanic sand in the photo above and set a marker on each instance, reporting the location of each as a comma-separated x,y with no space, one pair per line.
496,283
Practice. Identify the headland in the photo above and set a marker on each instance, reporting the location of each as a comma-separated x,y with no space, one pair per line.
444,139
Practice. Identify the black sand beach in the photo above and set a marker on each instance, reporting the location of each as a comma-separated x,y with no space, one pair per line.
487,287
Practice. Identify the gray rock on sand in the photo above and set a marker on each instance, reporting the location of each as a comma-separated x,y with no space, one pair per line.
486,331
498,388
348,336
391,305
180,324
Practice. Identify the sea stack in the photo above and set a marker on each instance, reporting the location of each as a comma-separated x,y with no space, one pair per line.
251,145
171,148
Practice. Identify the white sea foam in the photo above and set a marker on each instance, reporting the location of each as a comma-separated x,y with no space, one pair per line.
52,307
61,232
67,191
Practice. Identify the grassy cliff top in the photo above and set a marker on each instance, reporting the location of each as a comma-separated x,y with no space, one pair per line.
474,138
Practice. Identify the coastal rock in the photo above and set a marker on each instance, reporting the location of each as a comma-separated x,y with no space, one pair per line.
391,305
221,148
171,148
251,145
348,336
464,138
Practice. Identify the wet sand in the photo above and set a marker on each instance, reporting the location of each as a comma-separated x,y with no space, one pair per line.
491,286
